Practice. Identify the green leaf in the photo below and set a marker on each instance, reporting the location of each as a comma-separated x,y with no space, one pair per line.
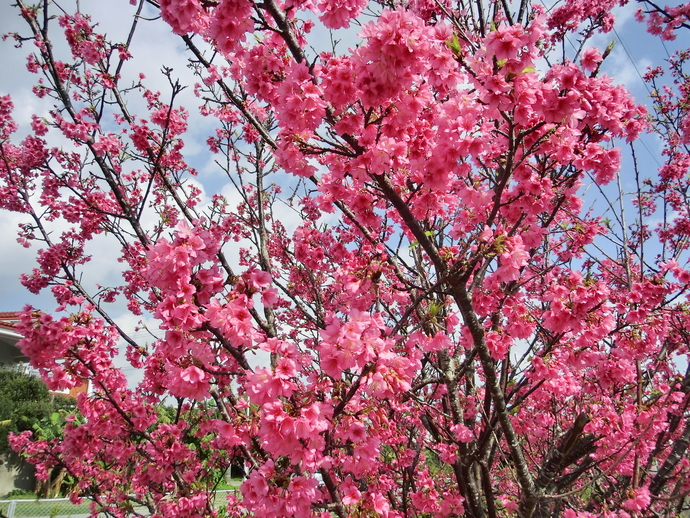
609,49
499,244
435,308
454,44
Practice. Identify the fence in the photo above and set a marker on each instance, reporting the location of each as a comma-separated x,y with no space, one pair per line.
49,507
63,508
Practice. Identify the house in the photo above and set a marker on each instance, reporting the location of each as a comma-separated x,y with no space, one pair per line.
10,355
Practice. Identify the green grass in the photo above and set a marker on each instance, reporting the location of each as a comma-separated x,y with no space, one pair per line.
233,484
19,497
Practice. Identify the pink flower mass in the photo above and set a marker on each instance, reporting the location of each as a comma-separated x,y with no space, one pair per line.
420,272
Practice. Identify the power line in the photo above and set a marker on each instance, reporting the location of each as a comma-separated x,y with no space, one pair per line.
627,53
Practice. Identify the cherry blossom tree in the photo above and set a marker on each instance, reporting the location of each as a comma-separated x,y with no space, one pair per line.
449,329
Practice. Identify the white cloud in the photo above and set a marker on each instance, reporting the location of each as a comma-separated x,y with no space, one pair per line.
141,329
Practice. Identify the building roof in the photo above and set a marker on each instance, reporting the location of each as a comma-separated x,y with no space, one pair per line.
8,320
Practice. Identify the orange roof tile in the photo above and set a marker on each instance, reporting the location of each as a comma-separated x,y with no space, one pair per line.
8,320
